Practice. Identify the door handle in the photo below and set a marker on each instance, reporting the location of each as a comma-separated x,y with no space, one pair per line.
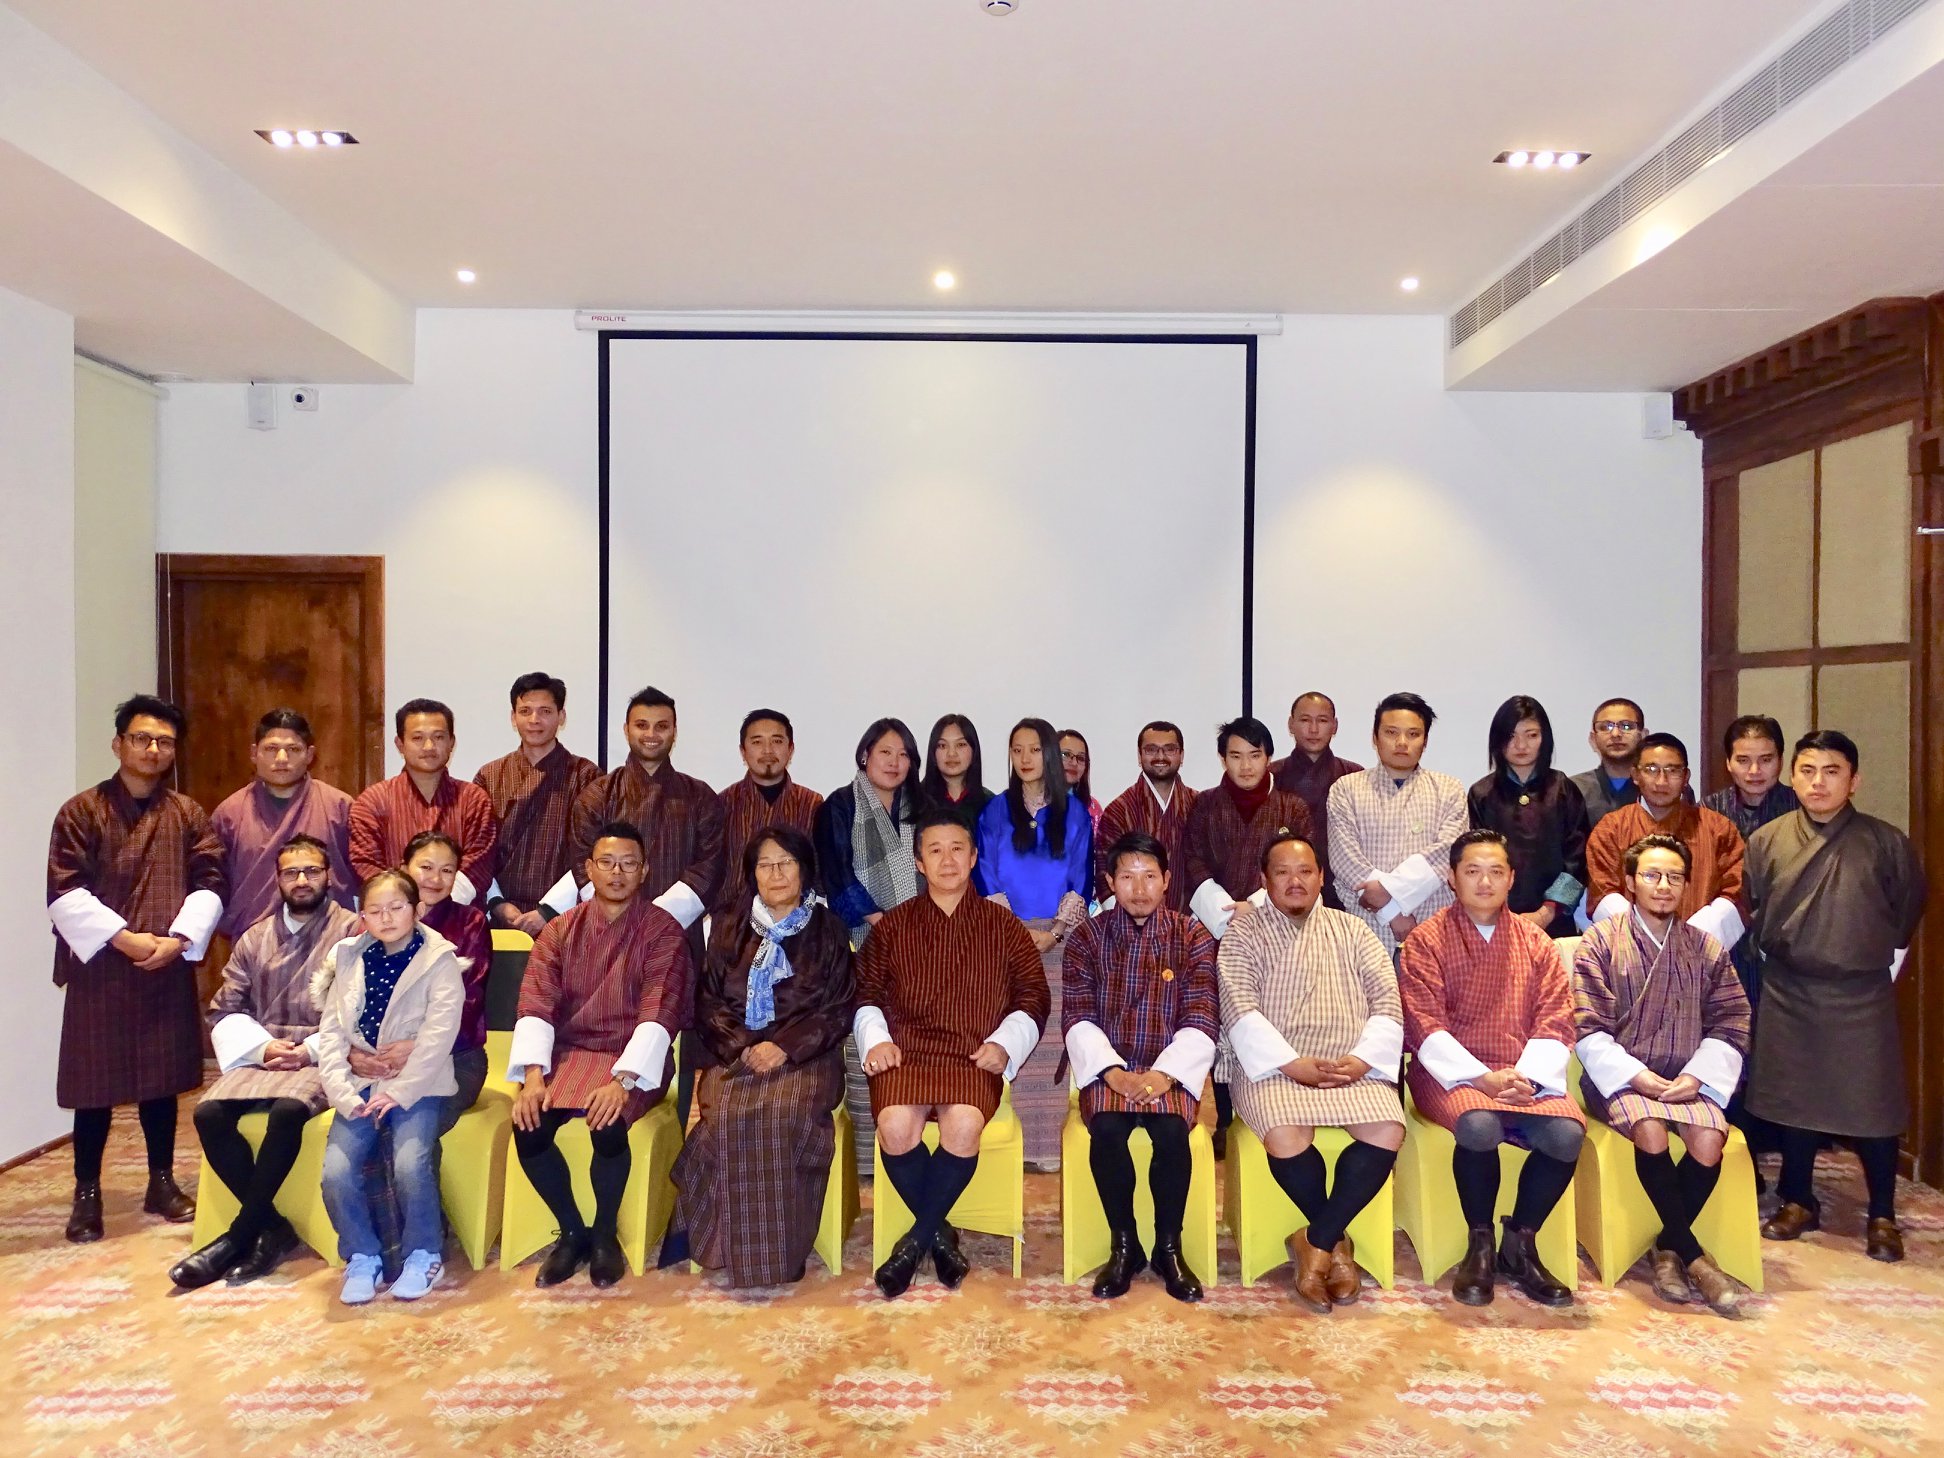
1930,531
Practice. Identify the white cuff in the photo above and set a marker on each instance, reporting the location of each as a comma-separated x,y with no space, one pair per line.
1410,884
238,1039
1580,918
463,890
646,1055
1897,961
587,892
1611,904
311,1044
1610,1066
1388,912
1090,1052
1720,919
1381,1046
1718,1066
868,1029
1019,1035
83,922
1258,1046
1001,900
532,1047
1448,1060
1544,1060
1187,1058
681,902
562,896
1212,906
195,922
493,892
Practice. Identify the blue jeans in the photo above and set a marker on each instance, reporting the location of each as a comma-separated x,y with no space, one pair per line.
415,1178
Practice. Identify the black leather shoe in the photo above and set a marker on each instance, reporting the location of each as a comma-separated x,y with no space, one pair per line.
894,1276
1472,1285
947,1259
165,1198
1173,1270
1125,1261
569,1254
1518,1258
277,1241
84,1221
605,1263
1218,1143
1883,1241
209,1265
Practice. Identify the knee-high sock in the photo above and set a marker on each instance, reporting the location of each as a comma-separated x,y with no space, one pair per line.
1113,1167
907,1174
945,1180
1476,1172
90,1143
1304,1178
1224,1105
1879,1158
1360,1173
607,1172
158,1118
283,1137
546,1171
1698,1183
1798,1180
1663,1187
1541,1183
1169,1172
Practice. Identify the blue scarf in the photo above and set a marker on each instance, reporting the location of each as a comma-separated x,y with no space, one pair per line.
772,964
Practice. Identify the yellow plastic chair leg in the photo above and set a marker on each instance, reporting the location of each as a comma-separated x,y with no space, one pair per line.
300,1201
1262,1218
527,1224
1617,1222
841,1203
472,1173
1085,1240
993,1204
1429,1214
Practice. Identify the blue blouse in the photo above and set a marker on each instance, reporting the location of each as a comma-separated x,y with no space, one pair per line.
1034,881
382,970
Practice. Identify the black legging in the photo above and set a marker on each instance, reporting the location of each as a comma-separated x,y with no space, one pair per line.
158,1118
253,1178
546,1167
1168,1171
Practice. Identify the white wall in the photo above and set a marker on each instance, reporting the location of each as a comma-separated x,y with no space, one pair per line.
36,654
1460,545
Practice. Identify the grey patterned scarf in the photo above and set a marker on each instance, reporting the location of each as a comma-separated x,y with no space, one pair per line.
881,852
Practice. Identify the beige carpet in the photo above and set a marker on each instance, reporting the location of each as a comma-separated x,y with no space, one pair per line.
1840,1361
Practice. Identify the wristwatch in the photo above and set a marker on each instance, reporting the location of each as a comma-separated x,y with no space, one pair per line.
627,1081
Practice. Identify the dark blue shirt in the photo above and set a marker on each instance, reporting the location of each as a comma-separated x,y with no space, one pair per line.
381,972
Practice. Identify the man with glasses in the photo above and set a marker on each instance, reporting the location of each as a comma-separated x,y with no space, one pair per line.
1711,895
135,886
1312,767
1156,804
283,801
1618,725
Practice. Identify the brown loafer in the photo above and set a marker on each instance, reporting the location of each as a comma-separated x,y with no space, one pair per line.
1312,1274
1344,1281
1721,1291
1670,1278
1883,1241
1791,1222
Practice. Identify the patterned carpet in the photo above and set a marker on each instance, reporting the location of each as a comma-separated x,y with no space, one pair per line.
102,1359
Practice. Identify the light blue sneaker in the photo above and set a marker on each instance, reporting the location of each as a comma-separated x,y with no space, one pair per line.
419,1275
361,1279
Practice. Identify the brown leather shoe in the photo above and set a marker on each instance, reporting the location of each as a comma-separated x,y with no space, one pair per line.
1721,1291
1478,1271
1883,1241
1791,1222
1345,1281
1518,1258
1670,1278
165,1198
1312,1274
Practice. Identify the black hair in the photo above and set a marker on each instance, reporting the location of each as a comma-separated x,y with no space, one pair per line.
1640,714
910,798
289,719
1630,857
1478,837
756,716
538,683
1752,726
793,843
149,706
1406,704
430,837
1135,843
1511,714
1052,784
399,877
1082,791
1160,726
619,830
300,841
1286,836
934,778
1663,741
935,817
1313,694
1250,731
649,698
1832,741
421,706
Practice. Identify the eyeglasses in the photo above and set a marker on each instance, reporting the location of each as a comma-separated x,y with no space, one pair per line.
1662,878
1661,771
776,867
1073,756
609,863
303,873
1616,726
152,741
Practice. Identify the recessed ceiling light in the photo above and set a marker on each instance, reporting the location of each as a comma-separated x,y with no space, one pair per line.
1409,285
1001,7
465,275
1569,159
291,137
1541,159
944,279
307,139
333,139
280,138
1515,159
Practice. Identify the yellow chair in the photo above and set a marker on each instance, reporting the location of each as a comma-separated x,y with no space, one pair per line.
1085,1240
841,1202
1262,1218
472,1172
300,1200
994,1203
1429,1214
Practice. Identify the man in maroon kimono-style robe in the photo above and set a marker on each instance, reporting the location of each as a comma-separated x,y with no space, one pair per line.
283,800
765,796
1312,767
533,791
424,796
1156,804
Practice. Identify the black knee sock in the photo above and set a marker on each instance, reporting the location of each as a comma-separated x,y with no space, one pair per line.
546,1170
607,1172
1663,1187
1798,1181
90,1142
907,1174
1224,1106
1698,1183
1113,1167
1304,1178
158,1118
283,1136
1360,1173
1541,1183
1169,1172
1476,1172
1879,1157
227,1151
946,1177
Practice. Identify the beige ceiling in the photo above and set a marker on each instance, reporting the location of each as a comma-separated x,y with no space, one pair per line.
1289,155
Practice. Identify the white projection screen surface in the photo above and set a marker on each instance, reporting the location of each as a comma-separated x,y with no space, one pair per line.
845,528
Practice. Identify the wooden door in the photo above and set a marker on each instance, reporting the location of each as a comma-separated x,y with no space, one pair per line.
243,635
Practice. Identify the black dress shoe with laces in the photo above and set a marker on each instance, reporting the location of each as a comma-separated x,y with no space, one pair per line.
84,1221
165,1198
605,1262
894,1276
947,1259
267,1253
569,1254
209,1265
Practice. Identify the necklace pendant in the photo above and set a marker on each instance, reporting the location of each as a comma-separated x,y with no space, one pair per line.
1525,799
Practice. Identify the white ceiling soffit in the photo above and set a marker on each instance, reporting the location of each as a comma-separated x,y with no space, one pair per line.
1076,156
1826,188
